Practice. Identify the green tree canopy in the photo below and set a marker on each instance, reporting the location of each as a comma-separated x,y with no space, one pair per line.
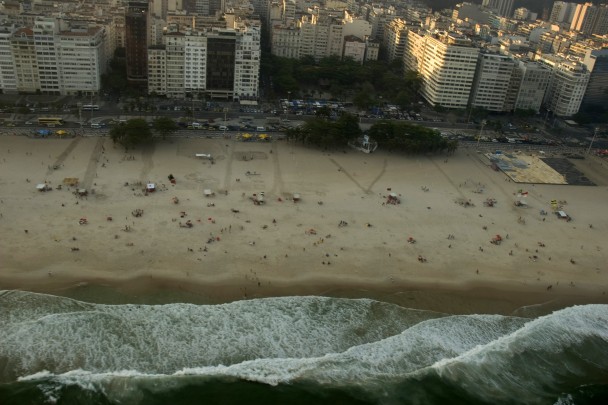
342,75
132,133
164,126
409,138
323,133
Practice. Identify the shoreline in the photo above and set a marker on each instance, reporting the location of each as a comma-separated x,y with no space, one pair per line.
341,238
452,298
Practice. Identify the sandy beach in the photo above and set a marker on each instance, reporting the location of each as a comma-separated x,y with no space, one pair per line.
342,234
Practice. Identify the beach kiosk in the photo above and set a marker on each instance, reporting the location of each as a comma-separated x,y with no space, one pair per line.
151,187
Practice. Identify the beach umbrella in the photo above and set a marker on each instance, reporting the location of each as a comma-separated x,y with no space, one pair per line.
61,132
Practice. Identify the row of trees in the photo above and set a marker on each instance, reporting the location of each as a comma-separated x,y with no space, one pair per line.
324,133
410,138
137,132
369,84
391,135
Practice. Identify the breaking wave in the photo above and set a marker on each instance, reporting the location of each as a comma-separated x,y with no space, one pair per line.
282,349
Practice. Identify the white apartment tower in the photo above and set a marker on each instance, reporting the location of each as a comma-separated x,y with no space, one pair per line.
55,57
26,65
286,41
174,43
195,62
45,30
82,59
157,69
8,79
491,84
217,62
354,48
529,83
567,86
247,63
394,39
447,64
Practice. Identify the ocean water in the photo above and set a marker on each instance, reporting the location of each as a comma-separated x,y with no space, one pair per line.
295,350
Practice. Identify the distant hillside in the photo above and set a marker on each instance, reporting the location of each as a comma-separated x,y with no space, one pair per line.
534,5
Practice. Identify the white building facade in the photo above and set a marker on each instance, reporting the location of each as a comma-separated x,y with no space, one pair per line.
217,62
491,84
447,64
567,86
8,79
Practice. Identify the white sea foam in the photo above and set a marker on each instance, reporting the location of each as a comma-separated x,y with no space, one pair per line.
568,345
66,334
336,342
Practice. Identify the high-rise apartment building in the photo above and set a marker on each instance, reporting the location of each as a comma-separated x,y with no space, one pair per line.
597,89
8,80
136,41
491,84
82,59
219,63
562,12
53,57
446,62
286,41
584,18
45,30
26,63
318,35
567,86
503,7
529,82
204,7
247,62
600,26
394,39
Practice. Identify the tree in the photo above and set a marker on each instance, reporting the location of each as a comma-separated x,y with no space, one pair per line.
363,100
164,126
323,112
132,133
346,128
409,138
323,133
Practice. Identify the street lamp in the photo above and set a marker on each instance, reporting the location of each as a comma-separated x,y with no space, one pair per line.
592,140
483,122
80,113
547,117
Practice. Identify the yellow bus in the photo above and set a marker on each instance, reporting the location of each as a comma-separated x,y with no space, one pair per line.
50,121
